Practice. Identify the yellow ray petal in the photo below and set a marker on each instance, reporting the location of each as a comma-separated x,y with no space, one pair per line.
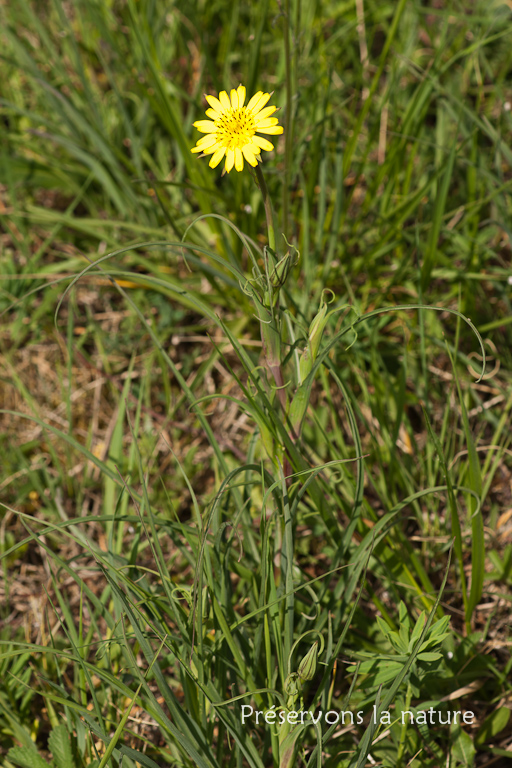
272,130
234,99
207,141
263,113
239,159
224,100
254,100
266,122
241,96
230,160
217,157
214,103
249,155
205,126
263,143
213,114
264,97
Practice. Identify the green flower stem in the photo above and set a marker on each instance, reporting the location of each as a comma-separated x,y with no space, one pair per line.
270,335
271,339
269,213
269,326
287,117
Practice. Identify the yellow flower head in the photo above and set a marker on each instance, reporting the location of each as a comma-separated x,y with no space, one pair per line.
231,132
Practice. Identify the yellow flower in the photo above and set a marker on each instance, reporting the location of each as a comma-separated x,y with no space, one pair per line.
231,132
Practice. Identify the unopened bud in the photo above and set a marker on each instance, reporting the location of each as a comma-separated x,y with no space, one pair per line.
316,329
307,667
305,364
281,271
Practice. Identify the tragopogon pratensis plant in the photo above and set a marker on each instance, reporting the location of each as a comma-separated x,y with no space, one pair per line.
232,132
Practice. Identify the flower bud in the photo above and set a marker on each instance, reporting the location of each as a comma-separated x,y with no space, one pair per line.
282,269
307,667
316,329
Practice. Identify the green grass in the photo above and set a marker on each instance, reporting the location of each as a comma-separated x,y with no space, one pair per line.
159,570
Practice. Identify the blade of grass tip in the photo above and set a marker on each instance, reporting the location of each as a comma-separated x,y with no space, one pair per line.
477,523
139,758
454,512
